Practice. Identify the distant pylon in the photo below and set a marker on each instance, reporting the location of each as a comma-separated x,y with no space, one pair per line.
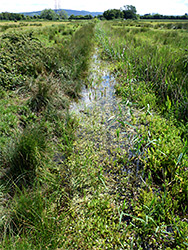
55,4
59,4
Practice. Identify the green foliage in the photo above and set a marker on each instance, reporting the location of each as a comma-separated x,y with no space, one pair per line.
36,180
162,68
22,158
32,211
80,17
167,154
155,186
27,211
81,46
63,14
48,14
164,17
23,56
57,191
159,193
8,117
129,12
42,93
112,14
148,221
11,16
66,192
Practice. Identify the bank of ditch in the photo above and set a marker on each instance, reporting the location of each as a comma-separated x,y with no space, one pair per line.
157,209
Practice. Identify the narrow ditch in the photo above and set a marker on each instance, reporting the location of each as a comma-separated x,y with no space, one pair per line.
101,114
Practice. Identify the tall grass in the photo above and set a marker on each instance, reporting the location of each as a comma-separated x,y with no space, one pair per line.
41,71
152,74
22,158
160,63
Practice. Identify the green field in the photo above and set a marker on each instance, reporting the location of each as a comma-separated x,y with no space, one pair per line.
113,176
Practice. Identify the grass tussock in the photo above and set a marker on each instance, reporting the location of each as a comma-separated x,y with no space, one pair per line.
22,158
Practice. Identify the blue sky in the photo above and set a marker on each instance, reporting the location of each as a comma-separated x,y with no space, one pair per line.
165,7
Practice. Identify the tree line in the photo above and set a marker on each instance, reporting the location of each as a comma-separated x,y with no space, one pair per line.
130,12
47,14
158,16
127,12
11,16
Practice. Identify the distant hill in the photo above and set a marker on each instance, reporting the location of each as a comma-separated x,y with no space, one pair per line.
69,12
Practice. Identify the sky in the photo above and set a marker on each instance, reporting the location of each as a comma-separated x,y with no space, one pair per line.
164,7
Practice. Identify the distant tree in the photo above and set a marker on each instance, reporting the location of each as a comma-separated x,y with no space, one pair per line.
11,16
112,14
184,17
48,14
62,14
158,16
72,17
101,17
80,17
146,16
27,17
106,14
36,17
88,17
129,12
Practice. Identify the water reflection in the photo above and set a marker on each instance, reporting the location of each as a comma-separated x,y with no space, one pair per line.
99,109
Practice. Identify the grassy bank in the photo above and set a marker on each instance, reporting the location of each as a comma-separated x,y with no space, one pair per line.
42,70
157,57
151,67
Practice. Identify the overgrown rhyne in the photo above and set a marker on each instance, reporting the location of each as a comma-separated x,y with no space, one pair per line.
112,175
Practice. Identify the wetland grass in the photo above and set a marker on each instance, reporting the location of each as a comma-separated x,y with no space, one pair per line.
114,174
160,147
35,178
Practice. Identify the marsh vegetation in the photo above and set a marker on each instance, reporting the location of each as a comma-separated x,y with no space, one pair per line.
93,125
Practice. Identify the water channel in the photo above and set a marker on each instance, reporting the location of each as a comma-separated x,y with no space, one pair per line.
100,111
